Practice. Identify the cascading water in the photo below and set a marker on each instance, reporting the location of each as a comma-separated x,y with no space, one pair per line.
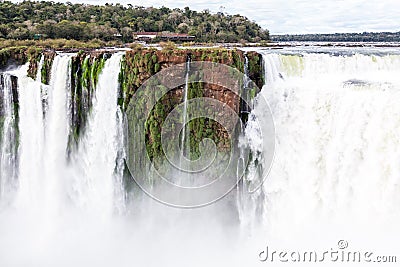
98,163
248,197
241,190
185,138
31,127
56,134
337,149
61,198
182,176
8,137
336,164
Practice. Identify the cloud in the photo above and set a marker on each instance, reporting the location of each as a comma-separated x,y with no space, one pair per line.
297,16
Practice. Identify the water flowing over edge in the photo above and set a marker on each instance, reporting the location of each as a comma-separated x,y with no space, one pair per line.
337,149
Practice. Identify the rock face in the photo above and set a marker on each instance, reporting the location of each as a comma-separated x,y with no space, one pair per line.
85,70
9,108
48,57
140,64
13,55
137,66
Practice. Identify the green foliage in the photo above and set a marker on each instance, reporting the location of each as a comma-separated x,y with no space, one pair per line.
96,68
135,46
253,92
256,72
137,66
238,61
57,43
156,67
17,54
46,67
84,22
168,46
34,55
85,71
122,83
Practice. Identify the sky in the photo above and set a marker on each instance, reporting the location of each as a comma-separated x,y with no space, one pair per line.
296,16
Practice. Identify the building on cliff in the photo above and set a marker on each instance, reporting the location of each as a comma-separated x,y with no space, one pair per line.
162,36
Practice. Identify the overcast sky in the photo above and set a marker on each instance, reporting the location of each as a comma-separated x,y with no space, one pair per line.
297,16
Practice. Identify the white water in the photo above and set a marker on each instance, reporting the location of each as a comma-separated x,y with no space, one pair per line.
64,206
8,157
336,173
97,178
44,142
31,124
185,141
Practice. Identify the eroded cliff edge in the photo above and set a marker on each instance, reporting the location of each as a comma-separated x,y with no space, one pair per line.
137,66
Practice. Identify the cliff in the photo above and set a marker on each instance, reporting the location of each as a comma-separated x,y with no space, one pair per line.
137,66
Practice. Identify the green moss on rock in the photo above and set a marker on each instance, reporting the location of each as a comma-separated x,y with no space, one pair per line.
13,55
139,65
34,55
256,72
46,67
85,70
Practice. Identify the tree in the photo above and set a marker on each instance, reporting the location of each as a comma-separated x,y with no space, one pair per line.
48,28
4,30
84,21
183,28
20,34
69,30
127,34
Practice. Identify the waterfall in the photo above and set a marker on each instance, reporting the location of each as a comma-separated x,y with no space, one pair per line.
8,136
245,109
31,128
43,144
250,141
98,163
56,134
185,138
93,178
337,151
240,189
59,198
335,175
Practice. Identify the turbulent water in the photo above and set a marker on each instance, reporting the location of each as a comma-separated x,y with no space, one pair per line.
336,171
8,137
98,181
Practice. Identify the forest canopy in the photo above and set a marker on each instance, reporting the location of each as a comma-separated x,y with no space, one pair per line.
47,19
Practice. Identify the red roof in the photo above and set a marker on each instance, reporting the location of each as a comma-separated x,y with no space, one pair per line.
163,34
175,35
146,33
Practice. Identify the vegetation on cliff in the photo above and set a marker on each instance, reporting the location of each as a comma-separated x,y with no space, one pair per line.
11,55
15,110
59,44
20,55
140,64
86,22
85,71
137,66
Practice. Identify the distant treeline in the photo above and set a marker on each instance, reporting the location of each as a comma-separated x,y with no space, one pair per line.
47,19
340,37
